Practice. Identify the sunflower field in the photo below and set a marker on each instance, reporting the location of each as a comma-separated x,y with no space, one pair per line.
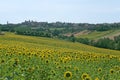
33,58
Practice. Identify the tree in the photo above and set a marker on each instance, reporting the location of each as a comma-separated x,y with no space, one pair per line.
72,38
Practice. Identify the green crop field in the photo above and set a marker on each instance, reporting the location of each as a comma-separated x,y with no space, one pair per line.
37,58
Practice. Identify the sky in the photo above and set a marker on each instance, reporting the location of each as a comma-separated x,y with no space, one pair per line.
76,11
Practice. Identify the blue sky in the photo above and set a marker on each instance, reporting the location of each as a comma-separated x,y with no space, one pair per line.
79,11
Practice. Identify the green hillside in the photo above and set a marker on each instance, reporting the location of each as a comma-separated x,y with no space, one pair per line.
100,34
38,58
11,38
91,34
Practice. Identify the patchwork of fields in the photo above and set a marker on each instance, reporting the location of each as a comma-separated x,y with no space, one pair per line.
35,58
99,34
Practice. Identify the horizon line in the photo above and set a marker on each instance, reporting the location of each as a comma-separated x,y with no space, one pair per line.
61,22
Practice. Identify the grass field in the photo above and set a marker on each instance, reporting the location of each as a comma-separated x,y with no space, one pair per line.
36,58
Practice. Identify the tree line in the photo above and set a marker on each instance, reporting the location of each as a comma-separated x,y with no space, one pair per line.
101,43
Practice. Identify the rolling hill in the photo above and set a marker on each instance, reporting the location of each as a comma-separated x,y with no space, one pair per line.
38,58
11,38
98,34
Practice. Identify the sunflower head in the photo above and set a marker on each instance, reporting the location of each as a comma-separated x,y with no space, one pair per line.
87,78
68,74
99,69
111,71
84,76
2,61
47,61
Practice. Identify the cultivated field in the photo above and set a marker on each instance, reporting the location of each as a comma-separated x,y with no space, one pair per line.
35,58
98,34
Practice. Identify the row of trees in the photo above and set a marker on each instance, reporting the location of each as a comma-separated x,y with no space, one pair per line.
41,32
102,43
105,27
68,27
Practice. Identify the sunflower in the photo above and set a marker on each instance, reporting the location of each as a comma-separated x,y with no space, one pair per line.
67,74
47,61
87,78
53,72
99,69
58,67
84,75
111,71
2,61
